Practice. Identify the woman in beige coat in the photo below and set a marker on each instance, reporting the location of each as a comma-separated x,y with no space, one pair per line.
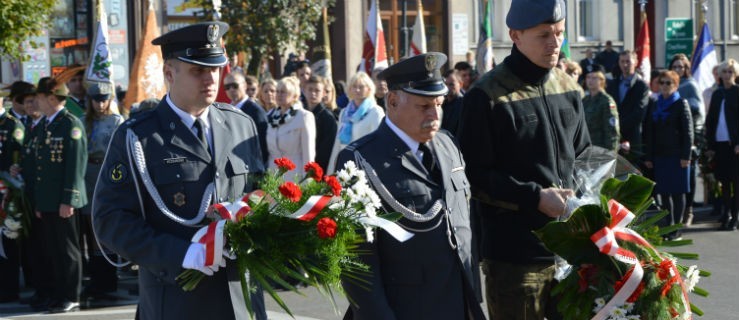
361,116
292,130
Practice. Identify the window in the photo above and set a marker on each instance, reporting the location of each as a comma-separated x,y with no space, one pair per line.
735,19
586,20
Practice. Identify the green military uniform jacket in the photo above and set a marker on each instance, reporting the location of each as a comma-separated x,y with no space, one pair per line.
61,161
11,139
28,157
601,115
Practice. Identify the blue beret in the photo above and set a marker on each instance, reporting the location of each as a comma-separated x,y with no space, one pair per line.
419,75
198,43
525,14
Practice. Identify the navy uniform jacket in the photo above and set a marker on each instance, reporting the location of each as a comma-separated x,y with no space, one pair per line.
181,168
422,278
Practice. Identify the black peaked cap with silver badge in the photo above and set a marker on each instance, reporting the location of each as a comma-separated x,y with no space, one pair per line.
419,75
198,43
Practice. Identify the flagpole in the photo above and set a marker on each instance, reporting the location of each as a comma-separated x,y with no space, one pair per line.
405,27
704,9
643,9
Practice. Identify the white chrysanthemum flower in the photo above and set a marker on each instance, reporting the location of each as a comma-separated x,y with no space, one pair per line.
692,276
618,313
599,303
628,306
10,234
344,178
12,224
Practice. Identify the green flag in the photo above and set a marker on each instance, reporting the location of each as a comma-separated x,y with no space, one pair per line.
565,49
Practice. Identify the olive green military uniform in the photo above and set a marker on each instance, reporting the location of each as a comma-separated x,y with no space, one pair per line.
61,160
11,137
601,115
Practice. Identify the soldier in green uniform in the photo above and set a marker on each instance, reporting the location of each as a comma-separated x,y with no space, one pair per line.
601,114
11,136
61,160
36,258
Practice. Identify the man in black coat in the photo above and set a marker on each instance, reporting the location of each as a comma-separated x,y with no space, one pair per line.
632,98
236,87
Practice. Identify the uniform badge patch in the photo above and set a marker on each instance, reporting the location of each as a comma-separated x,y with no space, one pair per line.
179,199
76,133
18,134
118,173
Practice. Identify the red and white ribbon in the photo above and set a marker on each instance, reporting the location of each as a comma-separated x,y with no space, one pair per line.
311,208
212,235
606,238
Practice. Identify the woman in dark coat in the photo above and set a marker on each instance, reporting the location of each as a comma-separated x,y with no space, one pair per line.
722,136
668,139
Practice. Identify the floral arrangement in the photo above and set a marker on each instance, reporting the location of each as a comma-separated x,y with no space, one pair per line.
306,231
616,271
14,221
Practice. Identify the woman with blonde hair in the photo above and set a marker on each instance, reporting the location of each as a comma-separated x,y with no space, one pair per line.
329,97
266,94
722,138
361,116
292,130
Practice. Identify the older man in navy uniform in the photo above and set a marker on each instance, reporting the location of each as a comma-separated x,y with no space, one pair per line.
178,158
418,171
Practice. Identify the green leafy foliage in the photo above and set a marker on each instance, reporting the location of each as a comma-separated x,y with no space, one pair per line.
20,20
262,28
595,275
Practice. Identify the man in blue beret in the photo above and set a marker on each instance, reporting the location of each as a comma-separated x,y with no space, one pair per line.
177,159
522,128
419,172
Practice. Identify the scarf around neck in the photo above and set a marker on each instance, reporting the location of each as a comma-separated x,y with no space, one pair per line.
663,104
276,119
352,115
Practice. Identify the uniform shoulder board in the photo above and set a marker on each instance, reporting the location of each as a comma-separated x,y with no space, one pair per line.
138,117
356,145
225,106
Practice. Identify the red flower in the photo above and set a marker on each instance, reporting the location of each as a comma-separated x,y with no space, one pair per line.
314,171
587,273
332,182
326,228
284,164
637,292
291,191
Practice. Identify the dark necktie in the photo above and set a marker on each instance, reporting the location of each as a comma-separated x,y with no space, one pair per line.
199,125
428,157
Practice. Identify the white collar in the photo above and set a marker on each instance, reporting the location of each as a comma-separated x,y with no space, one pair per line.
187,118
241,102
412,144
50,118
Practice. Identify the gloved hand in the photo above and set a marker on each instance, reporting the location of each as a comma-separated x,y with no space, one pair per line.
195,259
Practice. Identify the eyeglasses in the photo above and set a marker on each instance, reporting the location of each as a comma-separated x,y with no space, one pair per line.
666,83
229,86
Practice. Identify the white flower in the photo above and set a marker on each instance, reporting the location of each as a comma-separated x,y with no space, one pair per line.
12,224
599,303
10,234
344,177
692,276
628,306
618,313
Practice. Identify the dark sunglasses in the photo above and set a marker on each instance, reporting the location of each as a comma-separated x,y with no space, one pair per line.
230,86
666,83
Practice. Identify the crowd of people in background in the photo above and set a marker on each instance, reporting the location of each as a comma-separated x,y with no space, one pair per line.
667,128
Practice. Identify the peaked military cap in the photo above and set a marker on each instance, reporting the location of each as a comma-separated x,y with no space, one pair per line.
198,43
419,75
100,91
525,14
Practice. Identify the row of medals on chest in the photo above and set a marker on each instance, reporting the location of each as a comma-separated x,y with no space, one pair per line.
56,146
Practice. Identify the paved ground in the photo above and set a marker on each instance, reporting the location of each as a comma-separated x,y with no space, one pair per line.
717,249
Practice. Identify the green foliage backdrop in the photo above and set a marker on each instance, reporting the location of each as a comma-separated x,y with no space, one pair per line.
20,20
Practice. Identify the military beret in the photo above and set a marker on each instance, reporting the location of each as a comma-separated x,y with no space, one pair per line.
419,75
50,86
198,43
100,91
525,14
